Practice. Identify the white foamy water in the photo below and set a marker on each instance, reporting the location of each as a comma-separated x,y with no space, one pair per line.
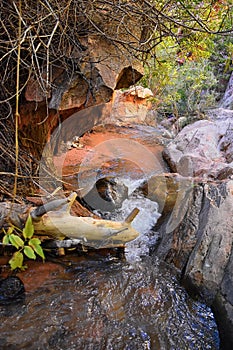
132,184
143,223
146,218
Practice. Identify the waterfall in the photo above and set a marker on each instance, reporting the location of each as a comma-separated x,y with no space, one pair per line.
227,100
224,111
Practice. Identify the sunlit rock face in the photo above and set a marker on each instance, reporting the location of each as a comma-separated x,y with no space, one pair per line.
133,106
196,233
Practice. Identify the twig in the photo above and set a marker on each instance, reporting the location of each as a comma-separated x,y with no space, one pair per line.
17,102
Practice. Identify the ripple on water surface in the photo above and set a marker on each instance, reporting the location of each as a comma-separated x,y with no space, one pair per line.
109,305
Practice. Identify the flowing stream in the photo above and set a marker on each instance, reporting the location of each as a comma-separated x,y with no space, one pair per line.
103,303
99,301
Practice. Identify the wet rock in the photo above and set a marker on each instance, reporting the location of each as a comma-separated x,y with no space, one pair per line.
11,289
223,312
168,190
223,307
203,149
107,195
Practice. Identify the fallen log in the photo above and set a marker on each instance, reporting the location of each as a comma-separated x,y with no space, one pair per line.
53,219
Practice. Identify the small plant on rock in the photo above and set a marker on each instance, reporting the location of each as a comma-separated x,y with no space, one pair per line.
25,244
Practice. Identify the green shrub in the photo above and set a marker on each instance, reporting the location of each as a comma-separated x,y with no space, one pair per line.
185,76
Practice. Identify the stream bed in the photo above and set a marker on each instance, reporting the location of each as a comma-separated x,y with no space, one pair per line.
101,300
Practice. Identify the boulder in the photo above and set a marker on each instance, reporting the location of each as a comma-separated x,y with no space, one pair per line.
204,149
168,190
196,234
107,194
223,307
200,246
206,266
133,106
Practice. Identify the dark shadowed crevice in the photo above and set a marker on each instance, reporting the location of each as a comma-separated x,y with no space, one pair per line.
128,76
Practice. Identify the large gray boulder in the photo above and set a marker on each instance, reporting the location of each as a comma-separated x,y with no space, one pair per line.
203,149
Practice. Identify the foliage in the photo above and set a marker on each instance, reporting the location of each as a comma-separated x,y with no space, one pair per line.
185,75
222,60
25,243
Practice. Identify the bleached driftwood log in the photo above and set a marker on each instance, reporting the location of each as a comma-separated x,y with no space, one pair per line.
54,219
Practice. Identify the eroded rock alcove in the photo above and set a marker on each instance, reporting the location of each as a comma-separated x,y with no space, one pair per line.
92,83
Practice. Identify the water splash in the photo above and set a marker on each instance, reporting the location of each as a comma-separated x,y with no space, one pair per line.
143,223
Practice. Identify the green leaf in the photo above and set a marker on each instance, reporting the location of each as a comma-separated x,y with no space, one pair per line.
29,252
40,252
28,228
16,261
35,243
6,239
16,241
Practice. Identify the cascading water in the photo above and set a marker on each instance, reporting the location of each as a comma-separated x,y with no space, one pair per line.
227,100
224,111
143,223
